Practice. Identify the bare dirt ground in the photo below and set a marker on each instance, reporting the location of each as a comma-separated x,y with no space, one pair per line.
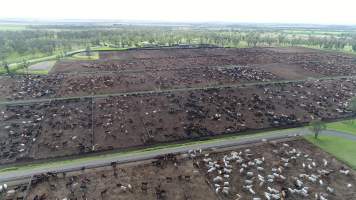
294,50
149,119
287,169
28,87
133,181
35,130
319,62
71,127
287,71
141,70
69,85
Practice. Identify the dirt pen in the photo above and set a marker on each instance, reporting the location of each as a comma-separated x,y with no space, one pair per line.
159,96
150,70
71,127
289,169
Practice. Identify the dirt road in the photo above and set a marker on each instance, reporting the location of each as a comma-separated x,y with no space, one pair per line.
98,161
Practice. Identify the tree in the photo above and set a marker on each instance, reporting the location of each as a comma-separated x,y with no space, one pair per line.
88,52
281,39
353,105
354,46
25,65
316,126
6,67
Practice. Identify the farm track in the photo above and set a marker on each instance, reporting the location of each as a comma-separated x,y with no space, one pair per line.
240,85
25,175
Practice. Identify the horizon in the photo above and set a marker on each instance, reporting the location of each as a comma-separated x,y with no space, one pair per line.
28,21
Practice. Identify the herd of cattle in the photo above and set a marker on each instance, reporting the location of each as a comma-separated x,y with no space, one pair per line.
140,98
69,85
156,96
324,63
69,127
278,170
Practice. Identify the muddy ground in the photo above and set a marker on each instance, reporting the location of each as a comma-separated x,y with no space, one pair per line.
39,130
136,120
44,130
71,127
152,70
143,70
312,61
289,170
194,176
69,85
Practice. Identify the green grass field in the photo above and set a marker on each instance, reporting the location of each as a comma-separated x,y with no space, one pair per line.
16,58
342,149
17,68
12,27
348,126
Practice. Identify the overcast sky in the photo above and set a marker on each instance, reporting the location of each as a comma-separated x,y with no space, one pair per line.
281,11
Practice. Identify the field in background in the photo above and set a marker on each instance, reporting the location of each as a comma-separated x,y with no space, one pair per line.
12,27
341,148
348,126
44,41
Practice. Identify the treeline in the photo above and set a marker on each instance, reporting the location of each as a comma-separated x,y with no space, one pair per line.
58,39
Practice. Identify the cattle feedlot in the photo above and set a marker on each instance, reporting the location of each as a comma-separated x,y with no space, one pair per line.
141,98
